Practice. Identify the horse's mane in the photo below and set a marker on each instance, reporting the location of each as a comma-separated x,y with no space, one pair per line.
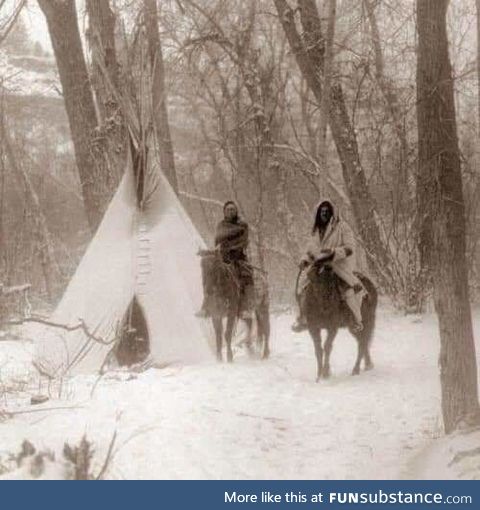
326,285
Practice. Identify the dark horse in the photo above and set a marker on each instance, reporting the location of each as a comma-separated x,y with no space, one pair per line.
325,309
225,301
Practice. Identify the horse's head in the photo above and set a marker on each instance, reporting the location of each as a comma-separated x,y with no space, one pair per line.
212,263
219,273
324,286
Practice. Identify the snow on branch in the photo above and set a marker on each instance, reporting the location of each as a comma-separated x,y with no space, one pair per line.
81,325
206,200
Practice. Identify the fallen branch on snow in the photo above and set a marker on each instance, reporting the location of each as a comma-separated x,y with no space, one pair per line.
81,325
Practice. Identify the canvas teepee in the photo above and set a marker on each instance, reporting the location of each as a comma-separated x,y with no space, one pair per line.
145,251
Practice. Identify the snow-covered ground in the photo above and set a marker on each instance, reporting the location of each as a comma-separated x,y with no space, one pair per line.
252,419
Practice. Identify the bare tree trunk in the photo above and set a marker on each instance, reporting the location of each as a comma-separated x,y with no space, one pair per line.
101,36
44,242
3,246
327,80
478,74
90,155
159,94
309,52
418,281
312,132
105,68
390,96
386,86
441,201
8,22
285,215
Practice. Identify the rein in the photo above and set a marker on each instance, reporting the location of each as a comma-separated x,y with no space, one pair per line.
318,264
251,266
297,281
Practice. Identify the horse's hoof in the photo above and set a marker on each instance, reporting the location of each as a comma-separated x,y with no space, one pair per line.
266,355
369,367
326,374
230,357
356,371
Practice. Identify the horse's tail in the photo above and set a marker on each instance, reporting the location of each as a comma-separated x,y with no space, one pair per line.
372,294
369,308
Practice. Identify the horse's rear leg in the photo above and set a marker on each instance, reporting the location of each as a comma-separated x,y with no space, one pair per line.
228,337
266,347
366,357
362,352
366,338
331,334
369,309
316,335
218,327
363,344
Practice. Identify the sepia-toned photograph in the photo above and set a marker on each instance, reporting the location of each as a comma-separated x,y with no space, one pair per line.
239,240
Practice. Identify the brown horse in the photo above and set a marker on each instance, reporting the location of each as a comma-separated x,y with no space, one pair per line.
225,302
324,308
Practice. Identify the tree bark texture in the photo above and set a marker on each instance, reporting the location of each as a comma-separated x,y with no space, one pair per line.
105,80
159,94
309,51
441,203
90,154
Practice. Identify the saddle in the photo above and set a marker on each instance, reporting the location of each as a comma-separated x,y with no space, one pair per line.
340,286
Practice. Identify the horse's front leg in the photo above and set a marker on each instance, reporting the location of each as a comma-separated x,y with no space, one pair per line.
263,326
316,335
360,353
331,334
248,338
218,327
228,336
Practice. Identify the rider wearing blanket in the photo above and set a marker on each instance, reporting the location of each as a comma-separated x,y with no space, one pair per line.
333,243
231,236
231,239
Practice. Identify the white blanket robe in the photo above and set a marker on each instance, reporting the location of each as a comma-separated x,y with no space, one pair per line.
339,238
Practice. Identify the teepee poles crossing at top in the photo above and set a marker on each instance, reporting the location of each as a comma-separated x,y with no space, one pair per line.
134,97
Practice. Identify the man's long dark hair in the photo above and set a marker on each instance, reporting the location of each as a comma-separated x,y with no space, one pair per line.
231,202
318,224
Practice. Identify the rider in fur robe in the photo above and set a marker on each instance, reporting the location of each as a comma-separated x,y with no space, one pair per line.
231,239
333,241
